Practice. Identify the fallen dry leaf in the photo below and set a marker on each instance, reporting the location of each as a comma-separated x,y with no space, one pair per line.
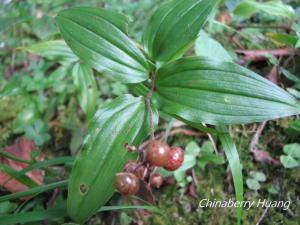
264,157
21,149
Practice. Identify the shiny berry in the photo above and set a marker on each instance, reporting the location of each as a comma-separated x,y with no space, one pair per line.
156,180
127,183
176,157
157,153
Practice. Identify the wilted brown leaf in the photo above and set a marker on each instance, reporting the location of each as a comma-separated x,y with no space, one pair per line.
21,149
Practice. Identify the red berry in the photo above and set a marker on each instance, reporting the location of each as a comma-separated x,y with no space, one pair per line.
157,153
156,180
127,183
176,157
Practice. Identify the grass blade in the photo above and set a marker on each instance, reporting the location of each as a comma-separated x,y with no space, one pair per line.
235,166
52,213
42,164
61,211
35,190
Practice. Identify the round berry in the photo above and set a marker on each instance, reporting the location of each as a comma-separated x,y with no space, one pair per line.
157,153
127,183
175,160
156,180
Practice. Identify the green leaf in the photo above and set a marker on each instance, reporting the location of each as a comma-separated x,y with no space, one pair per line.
292,150
207,148
275,7
121,122
53,50
38,132
203,91
289,162
188,163
192,149
211,49
9,22
85,82
282,39
259,176
232,156
253,184
210,158
99,38
175,26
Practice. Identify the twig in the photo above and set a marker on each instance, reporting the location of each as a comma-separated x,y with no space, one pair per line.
263,216
282,27
148,106
210,137
259,55
172,133
213,142
255,139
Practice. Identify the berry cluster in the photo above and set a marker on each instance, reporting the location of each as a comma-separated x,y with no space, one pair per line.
161,155
158,154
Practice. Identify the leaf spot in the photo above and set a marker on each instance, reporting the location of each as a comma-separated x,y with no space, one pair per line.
227,99
83,188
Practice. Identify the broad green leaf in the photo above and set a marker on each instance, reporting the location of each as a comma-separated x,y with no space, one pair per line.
289,162
99,38
56,50
175,26
121,122
232,156
203,91
211,49
292,150
275,7
85,82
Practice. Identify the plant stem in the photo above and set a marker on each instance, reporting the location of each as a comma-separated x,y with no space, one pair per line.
148,107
